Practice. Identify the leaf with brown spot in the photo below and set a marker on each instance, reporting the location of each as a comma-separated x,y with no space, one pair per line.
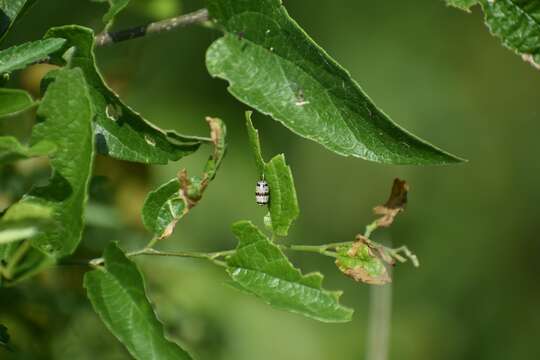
363,263
394,205
166,205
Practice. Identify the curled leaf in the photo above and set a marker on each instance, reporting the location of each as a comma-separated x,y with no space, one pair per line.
166,205
394,205
120,131
363,262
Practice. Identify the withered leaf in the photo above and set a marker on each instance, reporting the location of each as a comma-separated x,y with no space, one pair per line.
394,205
363,263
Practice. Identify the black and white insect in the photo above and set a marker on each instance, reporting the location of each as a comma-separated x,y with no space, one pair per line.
262,193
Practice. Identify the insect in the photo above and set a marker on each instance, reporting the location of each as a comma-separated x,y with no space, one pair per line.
262,193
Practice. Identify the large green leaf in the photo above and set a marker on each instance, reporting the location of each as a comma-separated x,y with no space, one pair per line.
259,267
11,149
283,201
120,131
517,24
272,65
166,205
19,56
118,295
13,101
11,11
115,6
66,114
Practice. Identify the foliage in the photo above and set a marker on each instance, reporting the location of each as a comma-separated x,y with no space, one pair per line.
515,22
271,65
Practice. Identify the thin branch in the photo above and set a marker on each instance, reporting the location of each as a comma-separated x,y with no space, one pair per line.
109,38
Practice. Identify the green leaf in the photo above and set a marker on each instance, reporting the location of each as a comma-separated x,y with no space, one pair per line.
166,205
255,143
260,268
66,114
19,56
115,6
12,150
10,12
517,24
23,221
121,133
273,66
118,295
360,262
14,101
163,207
283,202
462,4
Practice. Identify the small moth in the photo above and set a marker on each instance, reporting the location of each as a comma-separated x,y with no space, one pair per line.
262,193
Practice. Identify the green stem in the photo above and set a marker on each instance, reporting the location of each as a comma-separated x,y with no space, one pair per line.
371,228
188,254
319,249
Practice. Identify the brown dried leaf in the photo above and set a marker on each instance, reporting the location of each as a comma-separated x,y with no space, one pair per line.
394,205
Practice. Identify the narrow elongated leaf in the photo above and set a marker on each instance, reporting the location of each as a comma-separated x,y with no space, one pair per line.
283,202
255,143
13,101
517,24
19,56
12,150
115,6
120,132
259,267
118,295
166,205
10,11
273,66
66,113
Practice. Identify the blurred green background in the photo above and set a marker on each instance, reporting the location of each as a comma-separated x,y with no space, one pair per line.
436,71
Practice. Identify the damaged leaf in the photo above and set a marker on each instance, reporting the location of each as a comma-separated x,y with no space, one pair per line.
166,205
259,267
65,114
364,263
394,205
283,204
120,132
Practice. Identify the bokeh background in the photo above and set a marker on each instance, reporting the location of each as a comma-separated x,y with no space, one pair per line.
435,70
